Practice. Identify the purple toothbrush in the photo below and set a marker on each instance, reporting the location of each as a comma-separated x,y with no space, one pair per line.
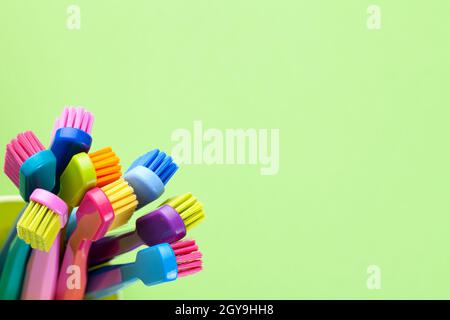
166,224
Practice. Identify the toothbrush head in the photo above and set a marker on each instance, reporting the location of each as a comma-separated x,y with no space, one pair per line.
189,259
106,165
29,165
155,264
163,225
158,162
86,171
43,218
77,118
148,175
20,149
188,207
123,201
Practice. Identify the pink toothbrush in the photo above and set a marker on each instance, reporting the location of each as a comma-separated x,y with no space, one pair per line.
97,211
42,269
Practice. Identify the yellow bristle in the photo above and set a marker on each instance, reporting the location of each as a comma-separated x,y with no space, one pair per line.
27,218
176,201
189,208
194,223
39,226
34,224
123,201
106,165
48,232
31,208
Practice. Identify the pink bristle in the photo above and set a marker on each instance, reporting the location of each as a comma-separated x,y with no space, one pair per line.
88,120
62,121
11,168
186,249
71,117
18,151
189,265
189,272
183,258
188,257
78,118
30,142
182,244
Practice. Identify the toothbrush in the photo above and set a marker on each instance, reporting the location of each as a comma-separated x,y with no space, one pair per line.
42,268
95,214
70,136
168,223
40,224
12,276
148,175
28,165
10,236
86,171
153,265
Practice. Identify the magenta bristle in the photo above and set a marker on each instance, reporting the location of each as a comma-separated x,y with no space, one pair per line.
188,257
185,250
182,244
78,118
18,151
184,273
189,265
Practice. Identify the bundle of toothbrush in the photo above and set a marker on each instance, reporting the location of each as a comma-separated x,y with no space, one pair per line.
63,241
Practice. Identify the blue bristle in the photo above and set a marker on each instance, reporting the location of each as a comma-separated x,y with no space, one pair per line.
159,162
168,173
144,160
156,162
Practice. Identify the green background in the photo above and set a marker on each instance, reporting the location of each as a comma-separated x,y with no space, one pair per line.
363,116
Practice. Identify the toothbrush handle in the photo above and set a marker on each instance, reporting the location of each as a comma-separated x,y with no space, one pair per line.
73,275
11,236
42,273
107,248
107,280
94,216
13,271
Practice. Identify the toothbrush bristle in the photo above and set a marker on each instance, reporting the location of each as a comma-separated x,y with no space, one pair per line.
159,162
189,208
106,164
39,226
18,151
189,259
123,201
72,117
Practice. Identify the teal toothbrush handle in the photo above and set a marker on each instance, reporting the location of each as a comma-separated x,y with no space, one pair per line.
11,235
14,270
